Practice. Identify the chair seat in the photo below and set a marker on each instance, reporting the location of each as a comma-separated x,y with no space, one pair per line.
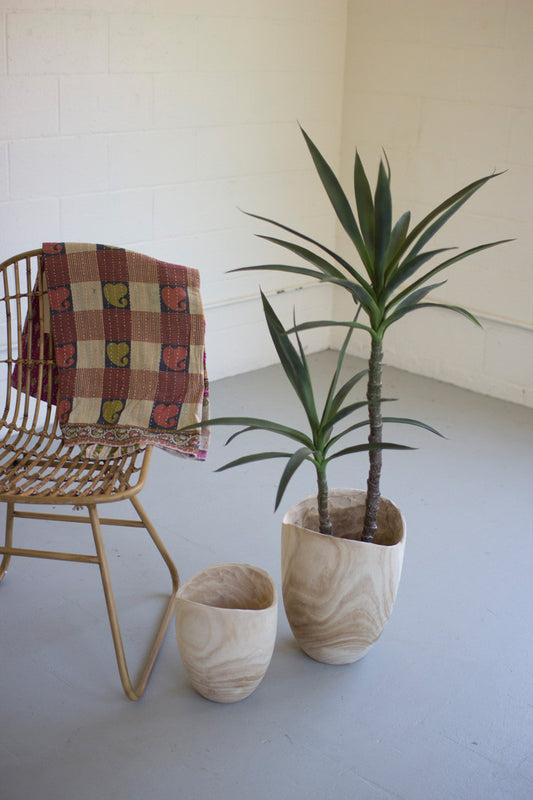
41,469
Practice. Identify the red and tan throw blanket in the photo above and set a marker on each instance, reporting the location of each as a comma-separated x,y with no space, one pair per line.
27,370
128,333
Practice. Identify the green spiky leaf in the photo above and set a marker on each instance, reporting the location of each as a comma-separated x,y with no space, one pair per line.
239,462
362,448
410,266
439,216
343,263
327,323
295,369
365,203
415,422
383,223
338,200
398,314
293,463
415,297
256,424
448,263
337,401
397,238
307,255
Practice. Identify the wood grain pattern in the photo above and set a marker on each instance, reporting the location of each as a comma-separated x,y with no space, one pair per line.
226,621
338,592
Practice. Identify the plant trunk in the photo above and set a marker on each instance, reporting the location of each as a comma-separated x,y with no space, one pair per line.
324,520
375,437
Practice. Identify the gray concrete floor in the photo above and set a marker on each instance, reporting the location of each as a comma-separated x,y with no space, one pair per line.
440,709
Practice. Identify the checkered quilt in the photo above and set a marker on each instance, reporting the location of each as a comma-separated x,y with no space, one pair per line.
128,334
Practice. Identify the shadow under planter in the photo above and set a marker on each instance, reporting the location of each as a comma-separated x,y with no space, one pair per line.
339,592
226,622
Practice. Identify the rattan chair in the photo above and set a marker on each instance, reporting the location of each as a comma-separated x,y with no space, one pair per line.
37,469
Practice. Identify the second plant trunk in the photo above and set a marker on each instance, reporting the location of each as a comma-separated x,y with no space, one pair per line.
375,438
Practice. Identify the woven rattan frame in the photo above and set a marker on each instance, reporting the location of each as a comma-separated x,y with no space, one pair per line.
37,468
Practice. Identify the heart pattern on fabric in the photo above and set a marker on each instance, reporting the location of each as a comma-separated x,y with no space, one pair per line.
111,410
118,353
59,299
174,297
116,294
175,358
66,356
63,410
165,416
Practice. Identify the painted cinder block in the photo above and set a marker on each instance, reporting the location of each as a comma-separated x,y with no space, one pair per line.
387,122
109,218
454,128
508,355
28,107
400,73
3,60
211,205
518,25
152,158
285,197
58,166
233,97
118,6
249,150
469,25
105,103
497,77
217,252
480,289
247,43
274,9
510,198
441,339
520,136
227,41
55,43
4,172
235,349
162,42
190,98
196,207
37,5
26,224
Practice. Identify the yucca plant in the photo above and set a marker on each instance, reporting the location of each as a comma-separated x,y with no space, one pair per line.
386,283
320,443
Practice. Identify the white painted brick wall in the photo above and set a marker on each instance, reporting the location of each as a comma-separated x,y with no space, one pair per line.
116,217
4,172
49,43
17,95
445,88
102,103
58,166
149,123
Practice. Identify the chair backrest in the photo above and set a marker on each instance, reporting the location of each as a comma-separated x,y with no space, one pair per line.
27,367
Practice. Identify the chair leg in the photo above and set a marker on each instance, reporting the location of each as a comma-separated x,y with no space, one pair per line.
9,539
134,693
